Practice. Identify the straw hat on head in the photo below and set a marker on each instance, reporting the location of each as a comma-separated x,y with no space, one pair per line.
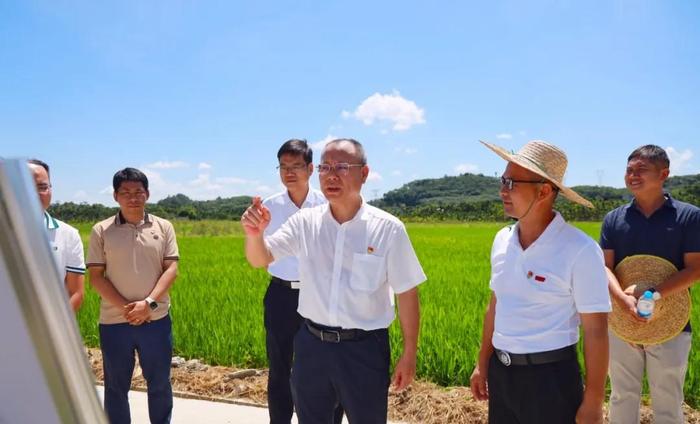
671,313
544,159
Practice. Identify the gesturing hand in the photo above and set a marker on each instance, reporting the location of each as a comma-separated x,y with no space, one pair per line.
256,218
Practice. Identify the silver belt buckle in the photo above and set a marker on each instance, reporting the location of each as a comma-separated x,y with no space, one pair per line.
295,284
504,357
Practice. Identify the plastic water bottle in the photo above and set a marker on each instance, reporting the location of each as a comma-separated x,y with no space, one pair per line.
645,305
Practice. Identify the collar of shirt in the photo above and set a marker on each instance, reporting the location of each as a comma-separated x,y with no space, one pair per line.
50,221
551,231
119,219
670,202
309,200
360,214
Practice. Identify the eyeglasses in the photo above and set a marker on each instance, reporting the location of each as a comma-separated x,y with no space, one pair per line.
130,194
341,169
43,188
293,168
508,182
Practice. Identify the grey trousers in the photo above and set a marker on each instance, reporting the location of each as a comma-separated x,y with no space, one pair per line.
665,364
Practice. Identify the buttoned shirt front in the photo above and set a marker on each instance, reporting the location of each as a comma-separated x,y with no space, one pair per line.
133,257
540,291
348,271
66,245
281,208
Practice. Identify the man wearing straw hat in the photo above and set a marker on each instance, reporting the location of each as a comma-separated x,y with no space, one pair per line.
656,225
547,278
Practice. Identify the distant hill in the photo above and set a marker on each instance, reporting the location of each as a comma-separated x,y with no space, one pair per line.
465,197
478,187
178,206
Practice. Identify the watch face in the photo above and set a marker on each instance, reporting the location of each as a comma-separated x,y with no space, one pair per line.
153,305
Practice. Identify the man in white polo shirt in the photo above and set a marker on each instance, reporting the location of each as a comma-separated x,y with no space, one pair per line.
352,258
547,278
282,321
65,240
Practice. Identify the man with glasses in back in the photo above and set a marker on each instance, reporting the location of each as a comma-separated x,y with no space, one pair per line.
133,260
352,257
65,241
547,278
282,321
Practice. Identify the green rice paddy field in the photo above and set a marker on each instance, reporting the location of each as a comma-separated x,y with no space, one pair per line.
217,299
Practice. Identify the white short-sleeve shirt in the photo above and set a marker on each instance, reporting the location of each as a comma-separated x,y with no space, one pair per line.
348,271
66,245
540,291
281,208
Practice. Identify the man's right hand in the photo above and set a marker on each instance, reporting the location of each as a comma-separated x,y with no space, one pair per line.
256,218
479,385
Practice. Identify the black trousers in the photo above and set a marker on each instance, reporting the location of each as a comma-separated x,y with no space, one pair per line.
524,394
354,373
281,324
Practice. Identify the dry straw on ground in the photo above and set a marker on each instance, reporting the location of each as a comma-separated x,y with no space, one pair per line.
421,403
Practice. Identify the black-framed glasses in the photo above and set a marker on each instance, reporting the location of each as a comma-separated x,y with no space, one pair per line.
293,168
508,182
339,168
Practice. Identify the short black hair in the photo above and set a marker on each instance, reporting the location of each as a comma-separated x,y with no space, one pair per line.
298,147
41,163
653,154
129,174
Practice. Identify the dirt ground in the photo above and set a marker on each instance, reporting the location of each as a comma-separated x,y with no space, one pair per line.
421,403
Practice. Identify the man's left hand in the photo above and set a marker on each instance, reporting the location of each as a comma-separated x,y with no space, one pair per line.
404,372
137,312
589,413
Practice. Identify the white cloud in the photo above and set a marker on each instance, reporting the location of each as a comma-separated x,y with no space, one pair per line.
167,165
403,113
680,161
464,168
396,173
203,165
107,190
504,136
204,182
264,189
80,195
231,180
406,150
374,176
318,146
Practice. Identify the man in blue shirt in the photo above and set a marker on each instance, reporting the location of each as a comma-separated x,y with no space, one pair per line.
652,224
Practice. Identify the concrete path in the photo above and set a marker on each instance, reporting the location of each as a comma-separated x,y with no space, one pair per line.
192,411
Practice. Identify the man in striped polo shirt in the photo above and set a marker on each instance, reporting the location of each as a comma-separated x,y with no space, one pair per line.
65,240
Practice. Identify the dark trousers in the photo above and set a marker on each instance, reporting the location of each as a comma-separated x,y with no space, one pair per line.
354,373
524,394
281,324
154,343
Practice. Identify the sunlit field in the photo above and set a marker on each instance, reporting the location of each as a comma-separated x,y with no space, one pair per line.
217,299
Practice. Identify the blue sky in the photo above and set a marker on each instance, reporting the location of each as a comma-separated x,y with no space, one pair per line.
201,94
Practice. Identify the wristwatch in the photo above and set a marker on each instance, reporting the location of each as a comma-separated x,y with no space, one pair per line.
655,294
151,303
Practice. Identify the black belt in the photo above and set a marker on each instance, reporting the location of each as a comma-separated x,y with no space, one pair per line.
537,358
335,334
285,283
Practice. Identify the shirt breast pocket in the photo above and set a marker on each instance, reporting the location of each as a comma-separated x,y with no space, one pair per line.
368,272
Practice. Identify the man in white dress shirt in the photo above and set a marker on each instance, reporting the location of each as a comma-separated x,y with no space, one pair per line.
66,244
352,258
282,321
547,278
